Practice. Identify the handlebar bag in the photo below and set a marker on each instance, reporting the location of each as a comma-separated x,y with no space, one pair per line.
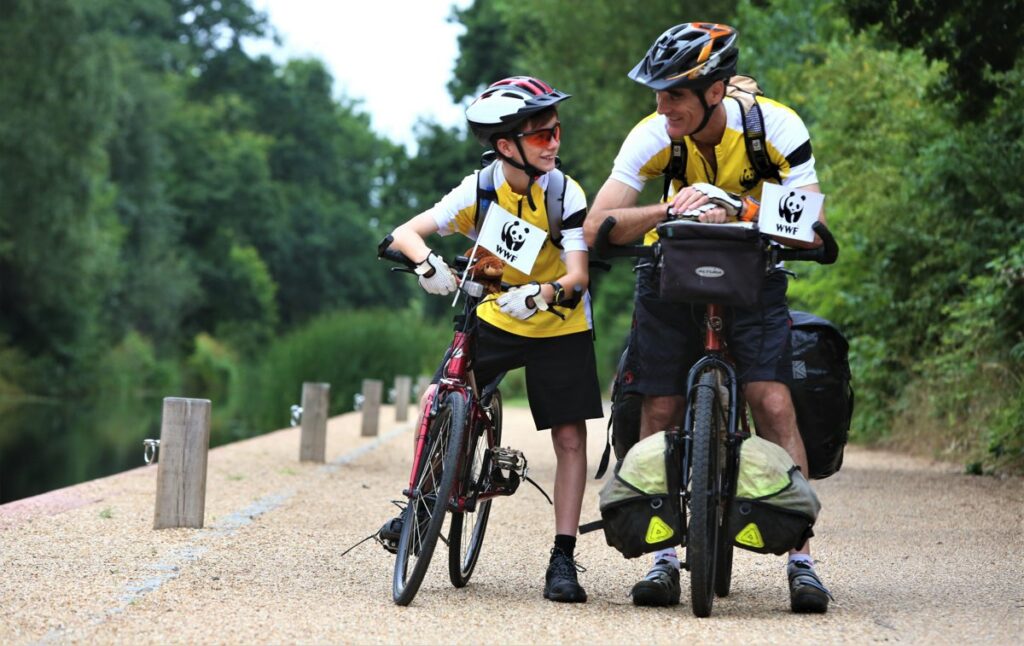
712,263
640,506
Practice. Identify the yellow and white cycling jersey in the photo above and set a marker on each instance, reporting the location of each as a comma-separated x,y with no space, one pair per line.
646,152
456,213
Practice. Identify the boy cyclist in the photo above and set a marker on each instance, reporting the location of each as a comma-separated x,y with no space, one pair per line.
518,118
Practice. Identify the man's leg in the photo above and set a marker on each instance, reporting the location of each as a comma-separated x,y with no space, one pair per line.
570,443
772,407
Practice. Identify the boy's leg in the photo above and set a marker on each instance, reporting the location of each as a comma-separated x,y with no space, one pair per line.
570,443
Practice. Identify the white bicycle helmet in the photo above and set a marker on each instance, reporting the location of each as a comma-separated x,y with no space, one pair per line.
507,103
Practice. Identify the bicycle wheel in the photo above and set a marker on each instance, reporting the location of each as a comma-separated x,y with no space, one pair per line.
466,532
723,566
706,510
424,515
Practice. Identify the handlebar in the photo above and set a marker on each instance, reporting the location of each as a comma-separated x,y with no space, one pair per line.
459,264
826,254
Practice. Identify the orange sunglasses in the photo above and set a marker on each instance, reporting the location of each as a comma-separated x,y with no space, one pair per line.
543,136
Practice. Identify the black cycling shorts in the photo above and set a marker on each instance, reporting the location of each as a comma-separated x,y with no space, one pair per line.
561,372
667,338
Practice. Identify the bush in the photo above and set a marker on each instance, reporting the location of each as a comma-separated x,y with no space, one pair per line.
341,349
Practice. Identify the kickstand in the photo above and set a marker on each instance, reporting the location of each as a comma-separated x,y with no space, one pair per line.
544,493
376,535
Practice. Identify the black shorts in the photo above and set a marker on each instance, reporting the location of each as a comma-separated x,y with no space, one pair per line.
561,372
668,338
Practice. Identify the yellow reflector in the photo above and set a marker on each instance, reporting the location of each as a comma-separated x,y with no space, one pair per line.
658,531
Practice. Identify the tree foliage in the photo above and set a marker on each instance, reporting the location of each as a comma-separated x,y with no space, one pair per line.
979,41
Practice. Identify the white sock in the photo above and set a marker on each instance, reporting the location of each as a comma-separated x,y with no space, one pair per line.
806,558
667,554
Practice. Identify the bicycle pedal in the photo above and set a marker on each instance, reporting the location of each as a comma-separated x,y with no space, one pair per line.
509,459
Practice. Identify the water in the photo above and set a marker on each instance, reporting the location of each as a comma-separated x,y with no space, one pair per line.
45,445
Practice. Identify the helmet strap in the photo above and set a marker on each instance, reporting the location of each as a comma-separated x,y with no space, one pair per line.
708,111
532,172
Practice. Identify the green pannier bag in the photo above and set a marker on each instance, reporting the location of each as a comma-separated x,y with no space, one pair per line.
774,508
640,507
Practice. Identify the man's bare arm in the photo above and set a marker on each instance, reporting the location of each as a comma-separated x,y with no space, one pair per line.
619,201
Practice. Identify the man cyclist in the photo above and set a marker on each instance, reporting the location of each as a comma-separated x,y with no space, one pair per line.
518,118
688,67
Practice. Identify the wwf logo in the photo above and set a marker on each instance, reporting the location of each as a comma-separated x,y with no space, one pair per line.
748,179
513,234
791,207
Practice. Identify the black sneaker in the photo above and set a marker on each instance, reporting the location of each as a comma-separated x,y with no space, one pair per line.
560,583
806,591
659,588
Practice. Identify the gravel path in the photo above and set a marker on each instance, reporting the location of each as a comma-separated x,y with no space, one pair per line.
913,552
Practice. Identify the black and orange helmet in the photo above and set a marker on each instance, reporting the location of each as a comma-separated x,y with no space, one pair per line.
507,103
690,55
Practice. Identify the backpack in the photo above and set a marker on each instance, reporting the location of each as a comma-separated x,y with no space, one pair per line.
821,390
774,508
744,90
554,196
640,506
623,420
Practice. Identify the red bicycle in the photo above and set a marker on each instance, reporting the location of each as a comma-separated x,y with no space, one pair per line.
458,466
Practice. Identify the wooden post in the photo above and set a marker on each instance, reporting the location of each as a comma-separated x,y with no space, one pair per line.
372,389
315,400
403,384
181,471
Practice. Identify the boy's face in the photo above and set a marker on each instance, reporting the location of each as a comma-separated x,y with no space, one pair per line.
540,142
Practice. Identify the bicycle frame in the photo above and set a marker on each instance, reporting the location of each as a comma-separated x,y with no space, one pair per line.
715,356
457,376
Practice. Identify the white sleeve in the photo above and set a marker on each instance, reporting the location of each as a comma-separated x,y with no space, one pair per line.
447,211
574,209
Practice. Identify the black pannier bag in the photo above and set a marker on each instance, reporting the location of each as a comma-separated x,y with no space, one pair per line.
822,394
712,263
640,505
774,508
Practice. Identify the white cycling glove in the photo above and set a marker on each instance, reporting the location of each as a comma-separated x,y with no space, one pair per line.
435,276
732,204
522,302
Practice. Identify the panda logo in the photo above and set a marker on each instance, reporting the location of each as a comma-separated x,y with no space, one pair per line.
748,179
791,207
514,235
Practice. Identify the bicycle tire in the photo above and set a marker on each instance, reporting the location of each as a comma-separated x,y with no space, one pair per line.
461,563
705,495
430,499
723,565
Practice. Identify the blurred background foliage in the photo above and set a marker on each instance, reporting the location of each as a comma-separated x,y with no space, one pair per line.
178,217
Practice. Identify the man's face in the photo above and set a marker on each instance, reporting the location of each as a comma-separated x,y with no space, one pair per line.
683,110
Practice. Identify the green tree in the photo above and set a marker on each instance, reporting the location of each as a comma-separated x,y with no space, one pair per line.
58,230
979,41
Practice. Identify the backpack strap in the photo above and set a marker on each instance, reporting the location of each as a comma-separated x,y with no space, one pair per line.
676,168
554,204
745,90
485,189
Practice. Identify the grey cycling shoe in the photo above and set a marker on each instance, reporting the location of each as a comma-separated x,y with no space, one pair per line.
659,588
806,591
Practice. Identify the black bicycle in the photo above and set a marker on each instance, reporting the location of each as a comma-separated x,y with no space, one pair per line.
716,420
